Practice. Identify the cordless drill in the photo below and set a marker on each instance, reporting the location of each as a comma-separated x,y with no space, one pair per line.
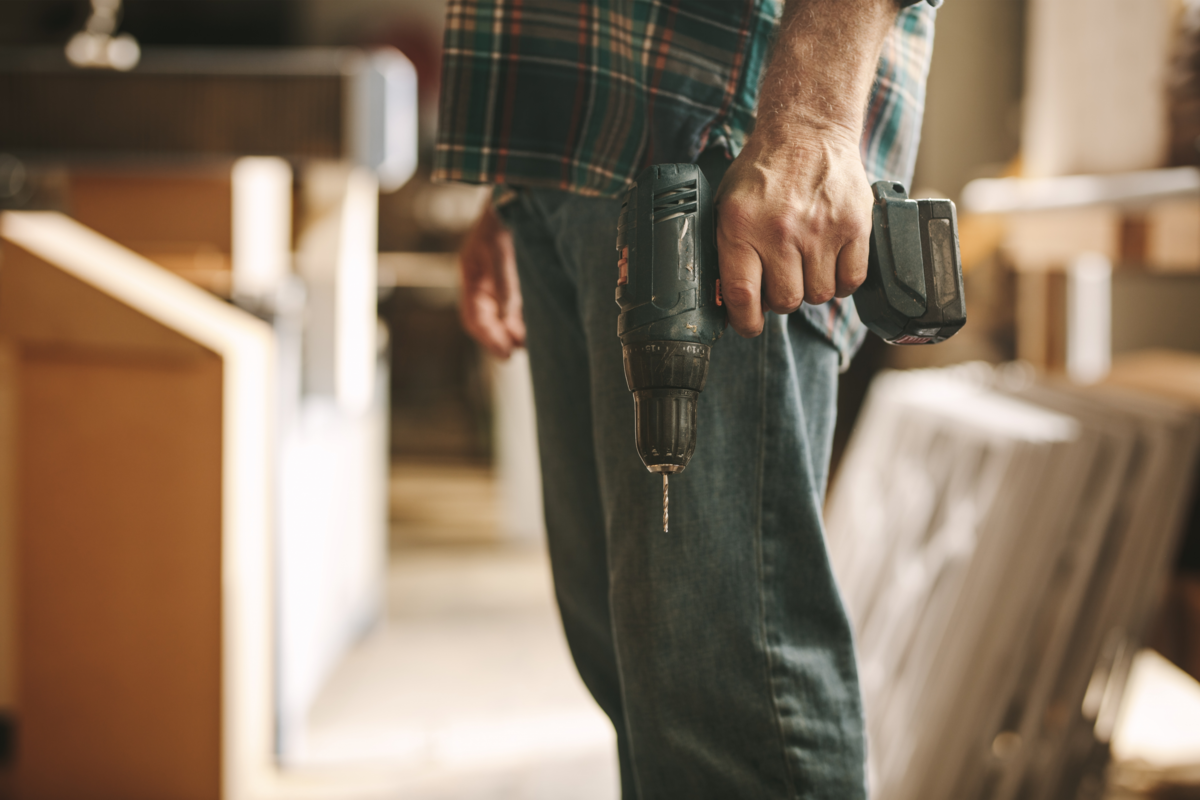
669,292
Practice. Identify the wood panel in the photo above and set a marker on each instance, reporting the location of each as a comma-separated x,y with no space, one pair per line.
8,531
1041,319
42,305
150,464
180,219
120,657
119,463
161,324
157,211
1168,373
1049,240
1173,236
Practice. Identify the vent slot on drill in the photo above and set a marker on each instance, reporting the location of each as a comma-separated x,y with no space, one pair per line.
675,202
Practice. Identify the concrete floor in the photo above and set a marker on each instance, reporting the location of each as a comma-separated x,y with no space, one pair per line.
466,690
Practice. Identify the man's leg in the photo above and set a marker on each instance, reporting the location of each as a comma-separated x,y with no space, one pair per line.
575,521
735,658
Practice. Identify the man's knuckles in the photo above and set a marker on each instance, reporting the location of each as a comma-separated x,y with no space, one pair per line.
739,293
850,280
784,301
819,295
856,226
839,229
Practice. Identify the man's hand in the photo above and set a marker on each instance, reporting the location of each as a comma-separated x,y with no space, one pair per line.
794,209
793,223
490,299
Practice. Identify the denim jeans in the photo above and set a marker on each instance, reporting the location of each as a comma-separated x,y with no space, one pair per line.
720,650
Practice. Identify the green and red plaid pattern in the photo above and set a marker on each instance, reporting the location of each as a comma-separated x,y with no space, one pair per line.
580,96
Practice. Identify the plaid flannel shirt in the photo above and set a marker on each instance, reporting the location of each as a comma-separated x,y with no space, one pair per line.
580,96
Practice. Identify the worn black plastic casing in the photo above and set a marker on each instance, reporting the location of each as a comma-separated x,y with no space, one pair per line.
666,240
670,314
913,293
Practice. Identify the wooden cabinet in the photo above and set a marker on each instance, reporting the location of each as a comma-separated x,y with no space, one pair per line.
137,436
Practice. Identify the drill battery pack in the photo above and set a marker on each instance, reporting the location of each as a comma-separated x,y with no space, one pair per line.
913,292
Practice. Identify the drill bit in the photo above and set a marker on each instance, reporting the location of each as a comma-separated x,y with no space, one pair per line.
664,502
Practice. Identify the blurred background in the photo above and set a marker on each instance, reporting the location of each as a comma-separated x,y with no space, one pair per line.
270,522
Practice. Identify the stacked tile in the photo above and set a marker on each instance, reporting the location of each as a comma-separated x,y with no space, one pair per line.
1000,543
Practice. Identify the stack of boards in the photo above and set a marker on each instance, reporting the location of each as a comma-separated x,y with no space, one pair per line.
1001,544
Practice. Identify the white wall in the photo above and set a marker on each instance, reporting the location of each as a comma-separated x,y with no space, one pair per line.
1096,85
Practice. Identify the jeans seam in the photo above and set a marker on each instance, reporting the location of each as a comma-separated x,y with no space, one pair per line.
758,540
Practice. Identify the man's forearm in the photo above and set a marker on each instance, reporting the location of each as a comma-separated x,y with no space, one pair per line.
821,69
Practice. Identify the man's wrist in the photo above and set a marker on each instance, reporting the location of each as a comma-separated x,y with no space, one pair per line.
797,131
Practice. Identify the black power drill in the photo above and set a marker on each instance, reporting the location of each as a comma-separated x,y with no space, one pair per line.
669,292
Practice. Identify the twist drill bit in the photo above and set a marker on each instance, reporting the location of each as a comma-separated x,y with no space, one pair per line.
664,502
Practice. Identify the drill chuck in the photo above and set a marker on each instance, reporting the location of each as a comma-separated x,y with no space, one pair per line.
666,379
665,427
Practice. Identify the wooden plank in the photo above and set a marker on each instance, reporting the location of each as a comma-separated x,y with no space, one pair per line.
42,305
1173,236
1000,577
120,565
1046,240
1041,319
185,214
181,219
1167,373
214,226
8,531
1031,318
